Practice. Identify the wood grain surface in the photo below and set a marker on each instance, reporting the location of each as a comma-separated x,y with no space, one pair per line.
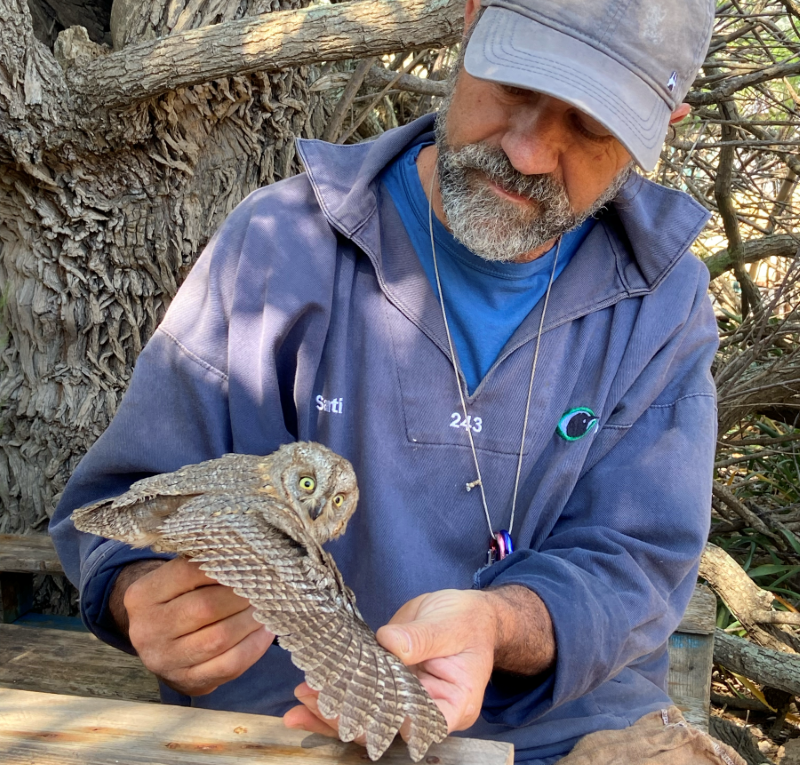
691,655
48,729
75,663
32,554
701,614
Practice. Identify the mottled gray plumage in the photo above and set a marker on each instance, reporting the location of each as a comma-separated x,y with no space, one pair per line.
257,524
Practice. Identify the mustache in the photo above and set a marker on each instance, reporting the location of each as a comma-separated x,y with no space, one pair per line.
496,166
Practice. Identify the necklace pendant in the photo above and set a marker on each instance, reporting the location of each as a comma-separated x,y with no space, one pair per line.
500,546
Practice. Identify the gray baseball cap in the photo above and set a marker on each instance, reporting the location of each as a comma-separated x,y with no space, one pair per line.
627,63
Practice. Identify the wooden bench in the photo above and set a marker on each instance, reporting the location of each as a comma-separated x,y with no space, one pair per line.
72,661
20,558
56,654
49,729
76,663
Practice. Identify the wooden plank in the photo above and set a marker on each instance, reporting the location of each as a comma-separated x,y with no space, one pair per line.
74,663
32,554
691,659
46,729
701,615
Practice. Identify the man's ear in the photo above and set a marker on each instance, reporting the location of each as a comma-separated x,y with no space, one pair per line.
680,114
470,10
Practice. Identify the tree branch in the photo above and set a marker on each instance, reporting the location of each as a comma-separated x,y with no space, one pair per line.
346,101
379,76
369,107
747,601
740,739
724,494
792,160
266,43
777,246
774,669
735,84
723,192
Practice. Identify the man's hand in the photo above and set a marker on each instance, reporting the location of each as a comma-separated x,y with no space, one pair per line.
452,640
193,633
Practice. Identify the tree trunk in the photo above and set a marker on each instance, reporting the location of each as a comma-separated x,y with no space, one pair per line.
96,236
105,202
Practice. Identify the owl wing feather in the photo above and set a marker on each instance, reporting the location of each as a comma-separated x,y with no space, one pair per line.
149,500
231,472
256,545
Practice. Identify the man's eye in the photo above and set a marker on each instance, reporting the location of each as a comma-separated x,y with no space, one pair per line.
590,128
511,90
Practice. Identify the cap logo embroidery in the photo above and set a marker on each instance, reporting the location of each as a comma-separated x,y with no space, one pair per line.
576,423
673,81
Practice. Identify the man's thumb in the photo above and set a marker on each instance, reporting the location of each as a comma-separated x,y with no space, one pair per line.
412,643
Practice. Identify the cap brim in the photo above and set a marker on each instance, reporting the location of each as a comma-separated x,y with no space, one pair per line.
513,49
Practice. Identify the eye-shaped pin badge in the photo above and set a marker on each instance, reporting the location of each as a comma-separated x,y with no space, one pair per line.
576,423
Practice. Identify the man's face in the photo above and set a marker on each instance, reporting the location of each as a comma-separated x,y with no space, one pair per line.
518,168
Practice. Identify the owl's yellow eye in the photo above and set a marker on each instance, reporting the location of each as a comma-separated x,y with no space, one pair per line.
307,483
338,499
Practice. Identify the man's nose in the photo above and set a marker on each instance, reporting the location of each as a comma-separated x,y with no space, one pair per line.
535,138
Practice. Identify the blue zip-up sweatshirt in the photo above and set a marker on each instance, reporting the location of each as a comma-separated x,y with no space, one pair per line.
310,293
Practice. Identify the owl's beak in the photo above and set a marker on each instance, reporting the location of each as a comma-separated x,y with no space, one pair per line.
314,512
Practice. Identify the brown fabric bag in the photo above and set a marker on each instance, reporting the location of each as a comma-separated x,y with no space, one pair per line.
660,738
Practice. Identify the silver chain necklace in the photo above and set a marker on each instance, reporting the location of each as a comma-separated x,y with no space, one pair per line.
501,542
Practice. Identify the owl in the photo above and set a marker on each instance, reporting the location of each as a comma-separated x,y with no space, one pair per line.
257,524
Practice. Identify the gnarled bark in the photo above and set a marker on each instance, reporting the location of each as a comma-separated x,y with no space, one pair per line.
103,210
96,237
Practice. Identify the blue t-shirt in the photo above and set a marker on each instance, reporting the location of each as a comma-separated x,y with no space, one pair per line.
485,301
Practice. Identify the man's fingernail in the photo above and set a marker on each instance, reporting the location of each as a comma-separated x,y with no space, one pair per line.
405,640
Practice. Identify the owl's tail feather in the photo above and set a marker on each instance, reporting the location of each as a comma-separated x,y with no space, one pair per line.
369,690
385,715
355,703
135,524
426,729
427,724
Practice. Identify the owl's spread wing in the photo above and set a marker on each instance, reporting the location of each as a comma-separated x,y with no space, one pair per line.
135,516
231,473
299,595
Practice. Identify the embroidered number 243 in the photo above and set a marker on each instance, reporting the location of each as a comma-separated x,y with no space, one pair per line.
475,424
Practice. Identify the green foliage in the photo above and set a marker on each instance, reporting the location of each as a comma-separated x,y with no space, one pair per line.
760,463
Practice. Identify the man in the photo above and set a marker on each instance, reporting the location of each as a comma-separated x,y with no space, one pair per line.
560,404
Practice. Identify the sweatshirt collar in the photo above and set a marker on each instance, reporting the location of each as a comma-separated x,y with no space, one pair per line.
344,176
648,227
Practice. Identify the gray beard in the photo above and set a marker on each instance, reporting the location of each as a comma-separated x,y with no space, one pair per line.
491,227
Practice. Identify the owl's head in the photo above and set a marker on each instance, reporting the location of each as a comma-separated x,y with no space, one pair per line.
322,486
